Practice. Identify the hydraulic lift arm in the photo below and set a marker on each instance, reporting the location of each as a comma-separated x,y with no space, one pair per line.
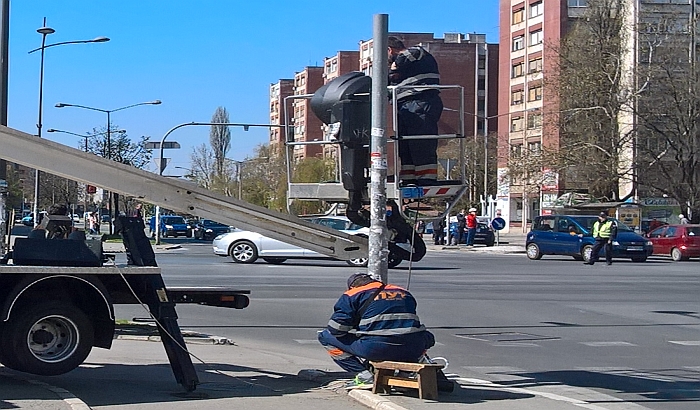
178,195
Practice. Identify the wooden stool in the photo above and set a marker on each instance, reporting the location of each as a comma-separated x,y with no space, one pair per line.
425,379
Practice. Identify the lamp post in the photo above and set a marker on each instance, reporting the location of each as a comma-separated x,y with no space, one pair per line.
161,147
109,141
239,169
45,31
86,136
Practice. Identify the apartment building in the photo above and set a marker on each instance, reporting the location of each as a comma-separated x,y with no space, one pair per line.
278,92
530,32
526,26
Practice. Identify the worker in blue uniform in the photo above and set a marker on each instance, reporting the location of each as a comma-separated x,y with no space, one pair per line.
418,110
374,321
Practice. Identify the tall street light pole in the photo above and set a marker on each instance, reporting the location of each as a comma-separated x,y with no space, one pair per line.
109,142
45,31
86,136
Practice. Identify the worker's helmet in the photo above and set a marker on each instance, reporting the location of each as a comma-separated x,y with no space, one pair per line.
359,279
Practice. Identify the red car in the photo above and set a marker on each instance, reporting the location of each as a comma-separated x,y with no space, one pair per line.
682,242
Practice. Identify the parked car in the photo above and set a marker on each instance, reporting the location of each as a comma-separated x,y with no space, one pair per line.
572,235
28,220
207,229
484,234
248,246
170,225
682,242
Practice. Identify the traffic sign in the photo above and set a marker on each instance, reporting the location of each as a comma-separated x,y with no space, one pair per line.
498,223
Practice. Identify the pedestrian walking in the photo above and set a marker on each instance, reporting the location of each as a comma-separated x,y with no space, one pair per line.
439,231
461,225
604,233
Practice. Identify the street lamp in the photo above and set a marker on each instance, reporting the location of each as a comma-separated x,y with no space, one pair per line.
239,169
109,140
45,31
86,136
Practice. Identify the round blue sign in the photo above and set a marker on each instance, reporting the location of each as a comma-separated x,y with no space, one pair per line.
498,223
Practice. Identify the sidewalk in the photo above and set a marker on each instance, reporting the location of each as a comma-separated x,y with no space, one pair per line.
246,375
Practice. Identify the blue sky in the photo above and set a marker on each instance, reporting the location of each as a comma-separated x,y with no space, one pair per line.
194,56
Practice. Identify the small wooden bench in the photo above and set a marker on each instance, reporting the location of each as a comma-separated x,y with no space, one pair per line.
425,380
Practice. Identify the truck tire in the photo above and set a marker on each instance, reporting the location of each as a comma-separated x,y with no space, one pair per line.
47,339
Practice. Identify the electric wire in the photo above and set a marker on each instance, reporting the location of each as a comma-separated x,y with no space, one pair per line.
177,343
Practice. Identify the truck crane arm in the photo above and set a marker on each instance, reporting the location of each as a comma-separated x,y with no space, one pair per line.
178,195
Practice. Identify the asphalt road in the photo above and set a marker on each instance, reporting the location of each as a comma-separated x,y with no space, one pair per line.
628,332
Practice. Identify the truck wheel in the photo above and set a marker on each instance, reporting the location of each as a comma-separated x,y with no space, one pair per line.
47,339
244,252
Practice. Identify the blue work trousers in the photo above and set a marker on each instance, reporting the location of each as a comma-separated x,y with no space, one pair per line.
471,232
347,350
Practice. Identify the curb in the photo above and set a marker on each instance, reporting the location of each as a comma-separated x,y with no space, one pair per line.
374,401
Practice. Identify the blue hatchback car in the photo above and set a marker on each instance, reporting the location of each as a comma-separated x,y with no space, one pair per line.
571,235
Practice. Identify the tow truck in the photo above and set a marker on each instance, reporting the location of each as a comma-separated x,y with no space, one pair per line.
57,296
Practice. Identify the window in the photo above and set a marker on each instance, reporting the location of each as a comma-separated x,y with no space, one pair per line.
544,223
518,70
518,43
578,3
516,97
535,66
535,93
516,124
536,9
516,151
534,147
518,16
534,121
536,37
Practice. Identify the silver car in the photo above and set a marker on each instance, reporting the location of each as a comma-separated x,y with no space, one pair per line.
248,246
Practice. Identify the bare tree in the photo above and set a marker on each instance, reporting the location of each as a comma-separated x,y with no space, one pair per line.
668,149
588,81
220,140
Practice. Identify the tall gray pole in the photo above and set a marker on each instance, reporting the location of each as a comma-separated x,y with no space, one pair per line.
4,70
378,243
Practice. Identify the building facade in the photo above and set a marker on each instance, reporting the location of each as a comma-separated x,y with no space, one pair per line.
530,32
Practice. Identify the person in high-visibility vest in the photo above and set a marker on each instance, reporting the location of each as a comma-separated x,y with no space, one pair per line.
604,232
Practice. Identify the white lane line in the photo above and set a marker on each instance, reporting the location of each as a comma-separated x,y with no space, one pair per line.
592,395
608,344
685,342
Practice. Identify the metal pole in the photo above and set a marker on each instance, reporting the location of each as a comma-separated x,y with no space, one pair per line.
37,173
4,70
378,243
240,180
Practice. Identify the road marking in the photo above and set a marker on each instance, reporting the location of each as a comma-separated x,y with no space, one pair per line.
588,394
607,344
685,342
68,397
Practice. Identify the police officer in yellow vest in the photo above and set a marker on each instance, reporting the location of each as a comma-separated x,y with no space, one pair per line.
604,232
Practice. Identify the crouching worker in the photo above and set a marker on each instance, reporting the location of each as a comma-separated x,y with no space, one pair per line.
373,321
